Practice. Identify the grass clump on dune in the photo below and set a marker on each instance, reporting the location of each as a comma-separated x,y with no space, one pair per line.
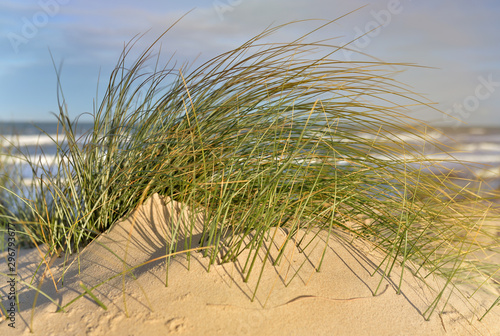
265,135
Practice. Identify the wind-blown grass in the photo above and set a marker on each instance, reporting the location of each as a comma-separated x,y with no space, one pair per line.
261,136
10,181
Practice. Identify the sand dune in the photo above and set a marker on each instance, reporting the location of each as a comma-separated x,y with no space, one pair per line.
291,299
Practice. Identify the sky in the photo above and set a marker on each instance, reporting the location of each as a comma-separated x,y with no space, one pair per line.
458,42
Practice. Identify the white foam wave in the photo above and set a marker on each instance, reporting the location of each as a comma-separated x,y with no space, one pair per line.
33,140
489,173
482,146
468,157
45,160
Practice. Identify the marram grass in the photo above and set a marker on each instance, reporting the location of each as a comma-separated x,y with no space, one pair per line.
265,135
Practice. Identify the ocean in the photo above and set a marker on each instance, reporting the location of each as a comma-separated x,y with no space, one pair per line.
35,141
480,146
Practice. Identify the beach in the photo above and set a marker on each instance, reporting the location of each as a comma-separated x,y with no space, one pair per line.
292,298
261,195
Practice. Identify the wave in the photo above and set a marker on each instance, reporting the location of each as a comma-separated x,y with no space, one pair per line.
40,160
491,173
401,137
33,140
482,146
467,157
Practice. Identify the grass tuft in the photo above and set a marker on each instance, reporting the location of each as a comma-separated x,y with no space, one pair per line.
266,135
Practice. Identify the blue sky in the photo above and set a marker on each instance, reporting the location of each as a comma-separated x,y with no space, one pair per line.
458,39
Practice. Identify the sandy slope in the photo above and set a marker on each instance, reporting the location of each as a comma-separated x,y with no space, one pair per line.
338,300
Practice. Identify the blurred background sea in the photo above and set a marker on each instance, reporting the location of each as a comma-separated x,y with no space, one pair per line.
35,141
479,146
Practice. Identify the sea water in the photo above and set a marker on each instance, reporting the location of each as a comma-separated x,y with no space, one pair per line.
478,146
36,141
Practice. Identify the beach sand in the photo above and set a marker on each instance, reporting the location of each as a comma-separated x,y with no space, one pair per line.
341,299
